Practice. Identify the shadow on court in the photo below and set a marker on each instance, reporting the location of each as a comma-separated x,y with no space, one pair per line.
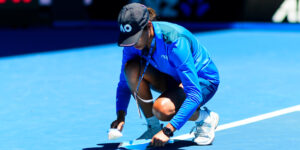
104,146
178,145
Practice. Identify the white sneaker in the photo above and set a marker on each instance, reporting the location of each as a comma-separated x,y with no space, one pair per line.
151,131
205,128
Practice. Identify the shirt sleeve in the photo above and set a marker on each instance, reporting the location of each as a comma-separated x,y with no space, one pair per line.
123,91
181,57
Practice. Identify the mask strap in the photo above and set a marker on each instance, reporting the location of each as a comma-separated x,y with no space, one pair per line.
141,77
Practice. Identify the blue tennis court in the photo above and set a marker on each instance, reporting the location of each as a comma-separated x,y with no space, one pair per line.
65,100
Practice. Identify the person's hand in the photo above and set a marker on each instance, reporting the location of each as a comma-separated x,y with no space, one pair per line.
115,130
159,139
119,123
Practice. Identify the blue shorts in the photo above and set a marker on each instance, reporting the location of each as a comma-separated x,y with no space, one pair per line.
208,90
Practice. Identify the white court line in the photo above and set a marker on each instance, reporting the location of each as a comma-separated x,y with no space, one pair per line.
247,121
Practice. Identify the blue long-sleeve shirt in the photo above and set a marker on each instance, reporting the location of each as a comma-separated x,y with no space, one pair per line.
178,54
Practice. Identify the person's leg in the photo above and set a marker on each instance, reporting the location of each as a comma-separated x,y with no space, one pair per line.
169,102
152,79
132,74
208,121
172,97
167,105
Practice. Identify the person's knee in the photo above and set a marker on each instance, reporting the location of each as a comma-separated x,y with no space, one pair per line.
164,109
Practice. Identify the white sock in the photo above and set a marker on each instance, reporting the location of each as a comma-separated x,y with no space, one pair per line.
153,121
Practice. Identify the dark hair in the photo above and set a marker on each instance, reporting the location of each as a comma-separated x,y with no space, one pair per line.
152,14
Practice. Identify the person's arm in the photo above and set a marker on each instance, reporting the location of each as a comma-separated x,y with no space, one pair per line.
123,92
181,58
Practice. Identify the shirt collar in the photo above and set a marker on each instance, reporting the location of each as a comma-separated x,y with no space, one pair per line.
158,36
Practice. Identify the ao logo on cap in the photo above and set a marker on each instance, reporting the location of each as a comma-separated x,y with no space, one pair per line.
126,28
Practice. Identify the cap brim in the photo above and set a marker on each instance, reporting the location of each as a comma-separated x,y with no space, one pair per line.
124,40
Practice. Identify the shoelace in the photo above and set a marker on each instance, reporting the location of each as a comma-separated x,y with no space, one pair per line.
202,128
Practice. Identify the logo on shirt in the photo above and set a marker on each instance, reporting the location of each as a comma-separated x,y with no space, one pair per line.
125,28
164,57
